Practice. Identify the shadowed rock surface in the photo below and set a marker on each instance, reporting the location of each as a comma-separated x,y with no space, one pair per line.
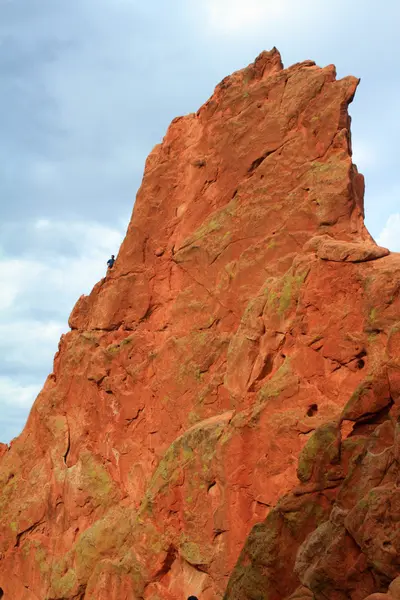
236,376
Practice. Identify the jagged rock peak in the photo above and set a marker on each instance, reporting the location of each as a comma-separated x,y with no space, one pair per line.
222,418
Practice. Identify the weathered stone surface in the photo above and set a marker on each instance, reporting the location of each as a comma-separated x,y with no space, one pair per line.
341,251
239,367
3,449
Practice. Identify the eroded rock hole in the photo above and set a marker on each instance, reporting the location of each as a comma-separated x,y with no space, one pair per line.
312,410
360,364
1,593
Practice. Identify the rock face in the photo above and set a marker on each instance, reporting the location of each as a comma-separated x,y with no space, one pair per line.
222,419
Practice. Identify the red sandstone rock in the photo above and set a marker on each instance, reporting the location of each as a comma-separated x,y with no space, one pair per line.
341,251
3,449
238,367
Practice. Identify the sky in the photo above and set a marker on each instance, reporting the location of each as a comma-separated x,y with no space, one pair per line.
88,87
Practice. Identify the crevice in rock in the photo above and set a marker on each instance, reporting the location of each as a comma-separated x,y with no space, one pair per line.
199,567
211,485
214,322
135,418
265,371
148,313
263,503
26,532
307,431
218,532
207,183
230,244
370,418
167,564
66,453
258,161
311,488
229,310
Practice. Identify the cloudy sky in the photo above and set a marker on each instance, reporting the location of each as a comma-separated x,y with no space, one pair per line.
88,87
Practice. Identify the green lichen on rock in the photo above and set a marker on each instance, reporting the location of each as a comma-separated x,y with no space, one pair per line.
194,553
196,353
114,349
251,576
63,586
265,568
322,447
193,454
283,293
329,171
320,167
95,480
355,399
40,554
105,537
274,386
165,472
373,315
214,229
290,290
14,526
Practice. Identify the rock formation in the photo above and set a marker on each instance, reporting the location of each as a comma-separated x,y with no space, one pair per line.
222,418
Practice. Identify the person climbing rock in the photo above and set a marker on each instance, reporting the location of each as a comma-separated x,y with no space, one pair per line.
111,261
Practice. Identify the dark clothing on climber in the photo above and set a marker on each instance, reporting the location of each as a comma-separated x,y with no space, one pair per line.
111,262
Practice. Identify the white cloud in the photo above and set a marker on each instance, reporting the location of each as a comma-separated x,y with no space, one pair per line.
28,345
56,278
16,277
365,155
16,400
36,297
390,235
233,16
245,17
15,394
42,224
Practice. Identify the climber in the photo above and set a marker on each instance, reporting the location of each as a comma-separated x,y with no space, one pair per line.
111,261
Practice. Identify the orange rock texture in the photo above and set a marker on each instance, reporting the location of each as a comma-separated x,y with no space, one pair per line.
222,418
